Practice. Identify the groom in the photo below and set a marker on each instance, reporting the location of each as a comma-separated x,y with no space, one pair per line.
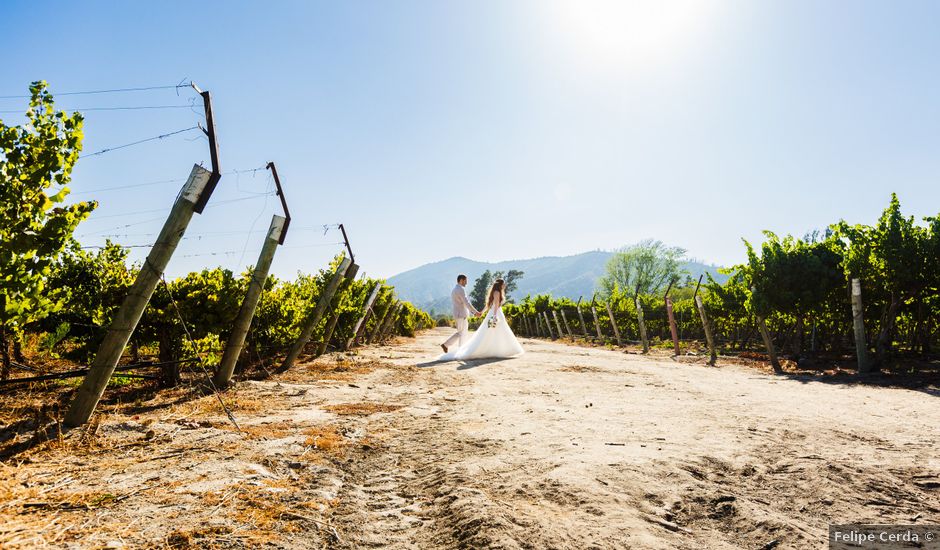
462,307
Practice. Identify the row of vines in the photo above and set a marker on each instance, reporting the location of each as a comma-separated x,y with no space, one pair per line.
91,286
801,287
58,298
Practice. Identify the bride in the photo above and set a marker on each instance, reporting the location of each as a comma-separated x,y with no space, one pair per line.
494,339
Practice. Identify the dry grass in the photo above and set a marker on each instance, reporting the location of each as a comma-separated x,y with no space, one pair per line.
338,368
326,439
269,430
361,409
263,511
167,451
209,537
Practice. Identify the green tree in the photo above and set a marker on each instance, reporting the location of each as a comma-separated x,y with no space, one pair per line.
512,282
647,267
36,161
483,283
480,286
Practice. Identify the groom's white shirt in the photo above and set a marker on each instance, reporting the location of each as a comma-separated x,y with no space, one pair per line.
462,305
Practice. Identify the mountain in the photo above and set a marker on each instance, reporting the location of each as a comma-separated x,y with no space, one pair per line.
429,285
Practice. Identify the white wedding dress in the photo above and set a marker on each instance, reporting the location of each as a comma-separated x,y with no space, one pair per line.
493,340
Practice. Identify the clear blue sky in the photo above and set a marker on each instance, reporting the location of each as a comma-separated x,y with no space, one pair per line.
496,130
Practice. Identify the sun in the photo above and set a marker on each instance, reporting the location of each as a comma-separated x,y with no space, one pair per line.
632,32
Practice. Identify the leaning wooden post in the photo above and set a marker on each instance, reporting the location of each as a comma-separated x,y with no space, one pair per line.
335,306
581,317
548,325
613,323
672,325
642,324
525,324
386,320
246,312
391,324
709,337
567,326
557,324
314,316
367,310
768,343
858,324
127,317
597,325
380,321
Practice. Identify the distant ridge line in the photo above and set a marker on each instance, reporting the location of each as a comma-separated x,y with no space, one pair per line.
428,286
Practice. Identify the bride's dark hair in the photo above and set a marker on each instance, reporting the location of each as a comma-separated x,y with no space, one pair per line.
499,286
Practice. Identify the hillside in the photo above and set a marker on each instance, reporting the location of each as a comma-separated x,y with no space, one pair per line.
429,285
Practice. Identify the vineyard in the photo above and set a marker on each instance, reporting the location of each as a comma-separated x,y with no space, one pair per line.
69,311
868,293
232,408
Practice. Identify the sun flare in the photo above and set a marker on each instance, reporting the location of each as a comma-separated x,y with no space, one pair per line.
629,31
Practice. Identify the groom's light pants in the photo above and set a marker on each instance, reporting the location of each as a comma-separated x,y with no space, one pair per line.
460,337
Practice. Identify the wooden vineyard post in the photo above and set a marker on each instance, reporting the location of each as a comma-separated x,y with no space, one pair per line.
581,317
548,325
525,325
557,324
597,325
567,326
539,331
380,321
127,317
361,324
768,343
672,325
313,318
386,320
613,323
858,325
709,337
390,327
331,325
233,347
672,319
642,324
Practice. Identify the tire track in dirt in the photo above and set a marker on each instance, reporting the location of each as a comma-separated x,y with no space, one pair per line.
422,484
406,491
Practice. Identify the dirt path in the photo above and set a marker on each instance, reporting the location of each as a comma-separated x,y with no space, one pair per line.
565,447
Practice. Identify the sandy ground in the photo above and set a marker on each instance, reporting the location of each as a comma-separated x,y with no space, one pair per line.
565,447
